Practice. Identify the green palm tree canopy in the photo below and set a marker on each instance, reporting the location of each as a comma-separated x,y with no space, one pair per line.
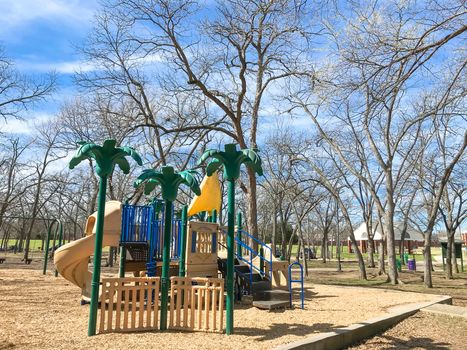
231,159
169,181
106,156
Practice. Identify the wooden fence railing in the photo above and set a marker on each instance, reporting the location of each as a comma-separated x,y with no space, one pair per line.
197,304
132,304
129,304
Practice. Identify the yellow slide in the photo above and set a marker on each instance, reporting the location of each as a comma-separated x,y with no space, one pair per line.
210,197
71,260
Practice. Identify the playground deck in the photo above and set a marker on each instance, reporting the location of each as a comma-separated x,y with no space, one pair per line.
38,311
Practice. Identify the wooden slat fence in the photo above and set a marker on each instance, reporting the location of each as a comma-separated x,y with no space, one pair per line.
129,304
197,304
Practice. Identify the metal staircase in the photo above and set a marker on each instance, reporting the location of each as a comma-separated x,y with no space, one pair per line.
253,273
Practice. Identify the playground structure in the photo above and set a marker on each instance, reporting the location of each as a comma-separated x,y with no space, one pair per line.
128,304
185,258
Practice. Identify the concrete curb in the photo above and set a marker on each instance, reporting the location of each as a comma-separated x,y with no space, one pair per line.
355,333
447,310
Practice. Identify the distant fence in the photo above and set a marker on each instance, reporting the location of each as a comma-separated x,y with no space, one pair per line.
132,304
197,304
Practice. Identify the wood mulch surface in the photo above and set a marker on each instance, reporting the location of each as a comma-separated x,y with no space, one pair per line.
422,331
43,312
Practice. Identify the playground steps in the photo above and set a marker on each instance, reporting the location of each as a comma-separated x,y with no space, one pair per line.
262,293
272,299
273,295
271,304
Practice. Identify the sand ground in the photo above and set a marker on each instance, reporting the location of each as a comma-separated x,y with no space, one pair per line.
41,312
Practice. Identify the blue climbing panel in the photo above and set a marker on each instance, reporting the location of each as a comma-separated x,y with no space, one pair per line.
140,223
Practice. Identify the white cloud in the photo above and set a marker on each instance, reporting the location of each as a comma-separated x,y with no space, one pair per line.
60,164
65,67
24,126
19,13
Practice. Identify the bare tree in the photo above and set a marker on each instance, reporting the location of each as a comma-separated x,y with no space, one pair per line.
229,62
14,177
19,92
46,141
365,91
454,212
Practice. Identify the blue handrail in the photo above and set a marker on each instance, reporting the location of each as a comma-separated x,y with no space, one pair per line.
249,262
302,293
265,247
251,255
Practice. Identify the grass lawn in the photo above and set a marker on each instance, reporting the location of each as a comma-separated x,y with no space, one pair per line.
36,245
345,255
412,280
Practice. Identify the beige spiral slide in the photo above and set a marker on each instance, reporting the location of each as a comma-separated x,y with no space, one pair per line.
71,260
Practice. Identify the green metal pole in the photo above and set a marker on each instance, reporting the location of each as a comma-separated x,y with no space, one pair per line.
121,267
261,261
60,239
239,234
230,258
46,253
165,281
96,273
183,238
214,215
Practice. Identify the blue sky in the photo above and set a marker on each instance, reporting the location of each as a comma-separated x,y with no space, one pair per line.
40,37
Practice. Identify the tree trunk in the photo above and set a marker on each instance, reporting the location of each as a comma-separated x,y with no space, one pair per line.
338,247
390,244
302,249
455,267
284,236
252,207
382,243
449,249
371,241
331,251
371,251
274,229
382,266
401,246
427,261
324,246
289,248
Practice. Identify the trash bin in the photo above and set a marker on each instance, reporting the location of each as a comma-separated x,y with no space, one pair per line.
411,264
398,265
406,258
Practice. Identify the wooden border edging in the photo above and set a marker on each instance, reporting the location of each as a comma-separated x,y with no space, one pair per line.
357,332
